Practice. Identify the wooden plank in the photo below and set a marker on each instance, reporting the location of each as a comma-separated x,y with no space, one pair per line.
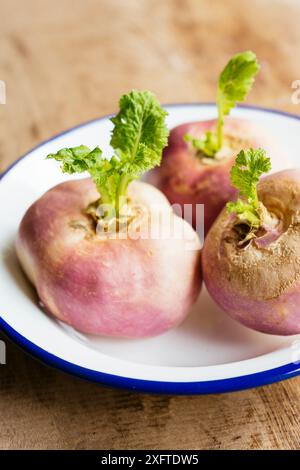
68,61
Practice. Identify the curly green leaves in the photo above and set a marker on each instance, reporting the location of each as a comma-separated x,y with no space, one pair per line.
235,82
249,166
138,139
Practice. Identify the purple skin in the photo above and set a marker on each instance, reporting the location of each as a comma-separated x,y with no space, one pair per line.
186,179
259,285
116,287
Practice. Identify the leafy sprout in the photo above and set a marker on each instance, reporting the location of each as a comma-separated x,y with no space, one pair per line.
138,139
249,166
235,82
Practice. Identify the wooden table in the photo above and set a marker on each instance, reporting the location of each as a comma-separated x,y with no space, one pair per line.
67,61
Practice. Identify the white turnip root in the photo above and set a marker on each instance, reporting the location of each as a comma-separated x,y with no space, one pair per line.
118,287
107,254
252,270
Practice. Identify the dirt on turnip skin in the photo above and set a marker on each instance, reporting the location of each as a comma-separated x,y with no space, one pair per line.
259,283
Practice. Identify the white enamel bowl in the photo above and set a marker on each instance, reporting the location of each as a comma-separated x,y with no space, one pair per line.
208,353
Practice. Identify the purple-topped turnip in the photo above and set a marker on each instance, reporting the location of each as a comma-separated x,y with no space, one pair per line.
106,254
195,165
251,255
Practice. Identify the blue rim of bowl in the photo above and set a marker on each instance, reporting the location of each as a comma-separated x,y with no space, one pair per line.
150,386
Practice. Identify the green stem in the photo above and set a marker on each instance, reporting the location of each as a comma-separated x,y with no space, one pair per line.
106,200
121,193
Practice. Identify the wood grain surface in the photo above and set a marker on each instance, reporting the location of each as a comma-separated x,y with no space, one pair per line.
66,61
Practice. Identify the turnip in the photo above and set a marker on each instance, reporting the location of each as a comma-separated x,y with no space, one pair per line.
251,255
195,165
83,243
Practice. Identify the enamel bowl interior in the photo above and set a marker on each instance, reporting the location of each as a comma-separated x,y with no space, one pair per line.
209,352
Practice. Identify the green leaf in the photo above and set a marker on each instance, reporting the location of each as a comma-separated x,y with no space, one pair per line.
235,82
140,133
245,174
207,144
77,159
244,212
249,166
138,139
81,159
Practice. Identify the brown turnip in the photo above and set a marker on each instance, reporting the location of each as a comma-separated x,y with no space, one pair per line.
251,255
